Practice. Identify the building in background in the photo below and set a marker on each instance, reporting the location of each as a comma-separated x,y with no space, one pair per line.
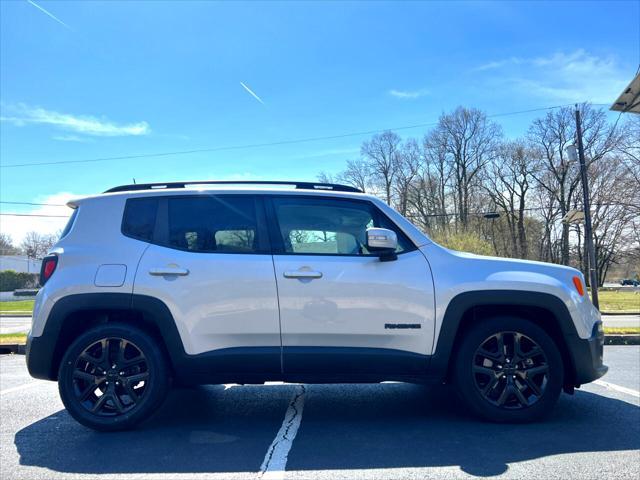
19,263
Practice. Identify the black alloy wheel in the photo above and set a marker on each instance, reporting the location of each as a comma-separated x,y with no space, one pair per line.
110,376
510,370
113,377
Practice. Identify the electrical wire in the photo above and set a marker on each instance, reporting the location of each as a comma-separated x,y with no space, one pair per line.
37,204
33,215
268,144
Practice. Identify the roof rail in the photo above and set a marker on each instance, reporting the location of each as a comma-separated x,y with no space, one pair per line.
298,185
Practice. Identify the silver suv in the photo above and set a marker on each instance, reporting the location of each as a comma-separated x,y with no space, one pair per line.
206,282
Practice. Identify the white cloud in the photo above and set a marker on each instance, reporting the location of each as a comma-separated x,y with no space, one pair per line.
70,138
17,227
498,64
408,94
563,77
22,115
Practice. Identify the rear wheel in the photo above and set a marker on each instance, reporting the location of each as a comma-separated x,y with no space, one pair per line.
508,370
113,377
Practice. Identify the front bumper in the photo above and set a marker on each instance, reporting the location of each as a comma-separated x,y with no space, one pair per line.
587,356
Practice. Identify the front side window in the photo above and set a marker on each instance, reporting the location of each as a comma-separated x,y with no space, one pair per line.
216,224
330,226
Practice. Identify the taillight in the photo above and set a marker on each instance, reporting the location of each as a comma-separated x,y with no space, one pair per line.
49,265
578,284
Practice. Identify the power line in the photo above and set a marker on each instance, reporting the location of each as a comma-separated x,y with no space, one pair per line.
268,144
33,215
37,204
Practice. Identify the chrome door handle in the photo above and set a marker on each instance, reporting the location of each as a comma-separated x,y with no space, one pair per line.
169,271
302,274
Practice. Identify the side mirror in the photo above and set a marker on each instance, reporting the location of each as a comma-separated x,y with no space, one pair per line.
383,242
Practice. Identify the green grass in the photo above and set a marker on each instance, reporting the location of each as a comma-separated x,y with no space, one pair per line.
10,338
17,306
622,330
612,301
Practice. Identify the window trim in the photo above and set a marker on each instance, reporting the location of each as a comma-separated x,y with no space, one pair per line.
275,232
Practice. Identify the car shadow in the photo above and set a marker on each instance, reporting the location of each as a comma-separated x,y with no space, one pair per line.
212,429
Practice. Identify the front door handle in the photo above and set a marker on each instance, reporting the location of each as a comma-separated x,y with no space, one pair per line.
302,274
169,271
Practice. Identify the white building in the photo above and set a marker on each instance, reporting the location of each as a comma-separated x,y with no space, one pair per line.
19,263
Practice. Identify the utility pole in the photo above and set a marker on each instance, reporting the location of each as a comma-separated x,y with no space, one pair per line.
588,232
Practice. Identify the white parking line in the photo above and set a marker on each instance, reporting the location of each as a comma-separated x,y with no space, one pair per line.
618,388
19,387
275,461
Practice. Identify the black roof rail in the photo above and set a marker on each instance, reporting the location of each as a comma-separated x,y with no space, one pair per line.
298,185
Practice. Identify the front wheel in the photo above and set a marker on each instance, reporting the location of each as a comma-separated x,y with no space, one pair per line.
113,377
508,370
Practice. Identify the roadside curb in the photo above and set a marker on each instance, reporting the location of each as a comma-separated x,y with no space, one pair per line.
15,348
614,314
622,339
15,315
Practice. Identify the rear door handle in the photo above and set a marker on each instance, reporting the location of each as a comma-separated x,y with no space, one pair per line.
169,271
302,274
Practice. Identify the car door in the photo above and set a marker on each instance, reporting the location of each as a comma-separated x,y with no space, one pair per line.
210,263
342,309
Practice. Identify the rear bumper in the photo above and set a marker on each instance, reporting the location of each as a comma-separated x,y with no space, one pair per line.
587,356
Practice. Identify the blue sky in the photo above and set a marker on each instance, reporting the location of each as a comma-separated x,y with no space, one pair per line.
84,80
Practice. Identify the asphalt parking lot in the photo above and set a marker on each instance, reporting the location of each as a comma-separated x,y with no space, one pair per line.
380,431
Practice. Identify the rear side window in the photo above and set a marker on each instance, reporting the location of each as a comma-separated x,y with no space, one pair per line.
215,224
140,218
70,223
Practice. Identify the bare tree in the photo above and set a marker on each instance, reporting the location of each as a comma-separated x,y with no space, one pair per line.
507,182
555,172
36,245
381,153
6,245
357,174
629,146
470,141
325,177
407,171
613,191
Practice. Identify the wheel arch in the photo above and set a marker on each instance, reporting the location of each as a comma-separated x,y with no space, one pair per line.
75,314
545,310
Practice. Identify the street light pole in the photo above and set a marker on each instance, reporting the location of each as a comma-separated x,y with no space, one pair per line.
588,232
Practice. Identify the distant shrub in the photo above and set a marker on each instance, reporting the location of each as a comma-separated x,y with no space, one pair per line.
11,280
465,242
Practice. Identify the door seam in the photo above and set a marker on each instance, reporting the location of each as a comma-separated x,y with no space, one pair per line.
275,277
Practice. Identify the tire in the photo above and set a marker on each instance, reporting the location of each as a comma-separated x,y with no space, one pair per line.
133,384
488,382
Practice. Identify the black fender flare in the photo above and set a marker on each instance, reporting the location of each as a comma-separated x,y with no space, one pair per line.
45,352
463,302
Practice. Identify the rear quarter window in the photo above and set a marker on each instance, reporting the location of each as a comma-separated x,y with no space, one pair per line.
139,219
69,224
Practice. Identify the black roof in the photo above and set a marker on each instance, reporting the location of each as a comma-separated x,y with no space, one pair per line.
298,185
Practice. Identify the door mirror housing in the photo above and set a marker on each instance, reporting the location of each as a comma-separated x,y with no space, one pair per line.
382,242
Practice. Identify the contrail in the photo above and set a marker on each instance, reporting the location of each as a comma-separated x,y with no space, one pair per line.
49,14
251,92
